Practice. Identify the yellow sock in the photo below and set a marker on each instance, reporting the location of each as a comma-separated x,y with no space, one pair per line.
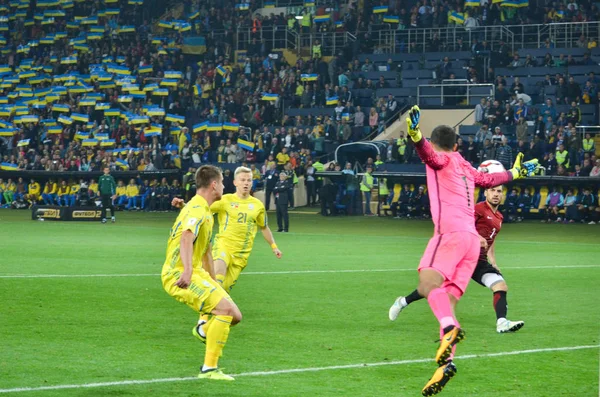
216,337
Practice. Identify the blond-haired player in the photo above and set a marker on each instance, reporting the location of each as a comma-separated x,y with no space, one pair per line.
239,215
187,274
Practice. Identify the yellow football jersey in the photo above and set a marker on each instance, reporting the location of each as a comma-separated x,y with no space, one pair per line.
238,221
197,218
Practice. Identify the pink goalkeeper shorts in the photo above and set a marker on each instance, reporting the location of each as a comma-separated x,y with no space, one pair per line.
454,256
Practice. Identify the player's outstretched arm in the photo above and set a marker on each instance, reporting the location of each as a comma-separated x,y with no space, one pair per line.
268,236
519,170
430,157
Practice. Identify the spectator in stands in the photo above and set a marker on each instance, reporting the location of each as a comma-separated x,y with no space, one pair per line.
483,134
359,117
562,92
517,87
586,169
509,115
530,62
471,151
516,62
589,94
573,90
504,153
501,95
373,120
495,114
548,109
520,109
574,115
562,156
595,172
392,105
480,111
497,136
554,203
522,131
487,151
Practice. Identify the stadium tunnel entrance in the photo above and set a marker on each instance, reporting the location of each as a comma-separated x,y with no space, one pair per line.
359,152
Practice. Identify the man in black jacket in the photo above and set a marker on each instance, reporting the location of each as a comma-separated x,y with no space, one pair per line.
281,190
271,178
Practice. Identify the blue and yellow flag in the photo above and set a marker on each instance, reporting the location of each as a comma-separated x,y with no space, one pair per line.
174,118
9,166
322,18
122,164
472,3
200,126
246,145
309,77
221,70
380,9
84,118
231,126
195,45
23,142
457,17
269,97
391,19
89,142
242,7
332,100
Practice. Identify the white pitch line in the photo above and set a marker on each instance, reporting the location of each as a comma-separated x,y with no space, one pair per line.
14,276
292,370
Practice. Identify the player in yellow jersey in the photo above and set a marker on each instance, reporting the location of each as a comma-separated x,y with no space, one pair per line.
239,215
188,274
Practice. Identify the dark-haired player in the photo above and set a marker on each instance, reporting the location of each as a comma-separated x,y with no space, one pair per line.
452,253
488,222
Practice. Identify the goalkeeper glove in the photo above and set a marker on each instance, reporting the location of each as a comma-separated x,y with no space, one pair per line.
412,121
523,169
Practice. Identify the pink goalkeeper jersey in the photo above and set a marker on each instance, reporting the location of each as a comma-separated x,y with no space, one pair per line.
451,182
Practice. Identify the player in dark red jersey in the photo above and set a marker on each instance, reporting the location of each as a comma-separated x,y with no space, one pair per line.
488,222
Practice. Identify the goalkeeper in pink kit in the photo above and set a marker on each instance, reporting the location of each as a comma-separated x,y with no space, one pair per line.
452,253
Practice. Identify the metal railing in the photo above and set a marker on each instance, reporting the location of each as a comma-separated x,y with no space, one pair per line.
280,37
388,40
408,40
457,90
271,38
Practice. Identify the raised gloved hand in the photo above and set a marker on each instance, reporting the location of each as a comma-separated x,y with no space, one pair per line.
523,169
412,121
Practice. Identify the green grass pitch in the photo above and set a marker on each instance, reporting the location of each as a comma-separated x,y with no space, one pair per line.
80,330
